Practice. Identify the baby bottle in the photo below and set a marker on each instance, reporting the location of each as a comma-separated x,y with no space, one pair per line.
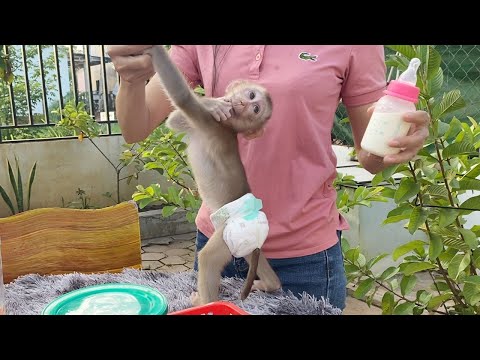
386,122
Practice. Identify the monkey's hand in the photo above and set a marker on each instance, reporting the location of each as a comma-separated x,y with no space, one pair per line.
219,108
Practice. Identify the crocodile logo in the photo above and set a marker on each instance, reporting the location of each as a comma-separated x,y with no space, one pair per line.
307,56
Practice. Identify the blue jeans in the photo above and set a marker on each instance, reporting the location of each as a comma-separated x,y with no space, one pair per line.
320,275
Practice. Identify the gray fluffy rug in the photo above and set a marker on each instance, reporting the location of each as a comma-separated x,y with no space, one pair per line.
29,294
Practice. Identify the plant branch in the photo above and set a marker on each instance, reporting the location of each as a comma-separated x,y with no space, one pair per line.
436,287
391,290
429,232
176,151
101,152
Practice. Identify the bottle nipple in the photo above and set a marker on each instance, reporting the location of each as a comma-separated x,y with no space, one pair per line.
410,75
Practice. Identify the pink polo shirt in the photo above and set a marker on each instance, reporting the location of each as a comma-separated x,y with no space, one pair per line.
292,166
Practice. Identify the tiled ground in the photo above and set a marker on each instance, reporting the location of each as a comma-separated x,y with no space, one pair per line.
176,253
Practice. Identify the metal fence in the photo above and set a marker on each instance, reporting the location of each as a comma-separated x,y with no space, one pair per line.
461,69
46,77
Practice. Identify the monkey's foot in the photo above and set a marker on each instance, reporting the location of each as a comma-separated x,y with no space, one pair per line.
195,299
263,286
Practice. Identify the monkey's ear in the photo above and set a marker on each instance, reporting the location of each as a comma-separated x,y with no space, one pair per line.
233,84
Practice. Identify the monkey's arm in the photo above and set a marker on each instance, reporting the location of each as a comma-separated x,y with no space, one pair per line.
177,88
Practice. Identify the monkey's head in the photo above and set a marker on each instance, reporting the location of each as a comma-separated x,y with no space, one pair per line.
251,105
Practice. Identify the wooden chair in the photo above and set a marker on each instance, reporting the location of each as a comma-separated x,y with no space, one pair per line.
62,240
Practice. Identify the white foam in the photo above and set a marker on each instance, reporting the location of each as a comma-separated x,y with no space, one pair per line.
108,304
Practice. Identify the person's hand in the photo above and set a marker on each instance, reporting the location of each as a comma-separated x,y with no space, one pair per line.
411,143
131,62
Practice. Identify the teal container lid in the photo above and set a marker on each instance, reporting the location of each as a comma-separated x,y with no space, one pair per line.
109,299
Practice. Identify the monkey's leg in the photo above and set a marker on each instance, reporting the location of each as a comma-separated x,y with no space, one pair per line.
269,280
212,259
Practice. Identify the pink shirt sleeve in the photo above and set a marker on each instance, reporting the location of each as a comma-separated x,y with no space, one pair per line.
366,75
186,59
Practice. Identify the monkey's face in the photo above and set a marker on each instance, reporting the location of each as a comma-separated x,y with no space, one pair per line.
251,106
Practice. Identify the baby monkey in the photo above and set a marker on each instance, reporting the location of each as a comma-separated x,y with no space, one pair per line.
211,125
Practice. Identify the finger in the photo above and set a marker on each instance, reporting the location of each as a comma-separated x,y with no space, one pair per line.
222,116
133,63
216,116
226,112
409,142
420,118
119,50
402,157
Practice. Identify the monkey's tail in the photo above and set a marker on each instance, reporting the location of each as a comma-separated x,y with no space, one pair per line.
252,274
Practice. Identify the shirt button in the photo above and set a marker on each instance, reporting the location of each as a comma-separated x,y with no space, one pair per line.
257,57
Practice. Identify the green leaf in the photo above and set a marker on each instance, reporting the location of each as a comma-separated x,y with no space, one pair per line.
168,210
413,267
398,62
388,192
144,202
407,284
375,259
345,245
437,301
389,272
436,246
438,190
472,203
452,101
476,258
423,53
406,50
442,127
406,248
20,188
468,184
396,218
377,179
472,174
423,296
363,288
389,171
442,286
436,83
405,308
458,264
454,128
473,279
13,183
471,292
173,194
459,148
470,238
407,189
388,303
417,219
352,255
447,216
7,200
190,217
418,310
434,61
31,178
361,260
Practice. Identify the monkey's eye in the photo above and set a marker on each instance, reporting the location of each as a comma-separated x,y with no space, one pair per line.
256,109
252,95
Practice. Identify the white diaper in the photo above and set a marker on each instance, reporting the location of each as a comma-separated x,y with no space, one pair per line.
246,226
